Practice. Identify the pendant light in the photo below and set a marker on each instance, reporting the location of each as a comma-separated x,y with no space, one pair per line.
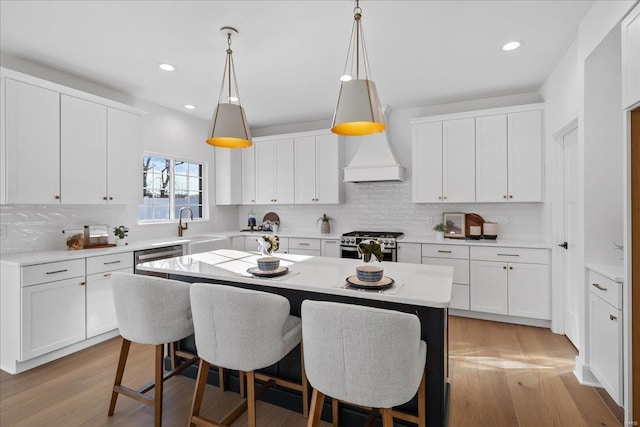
358,110
229,127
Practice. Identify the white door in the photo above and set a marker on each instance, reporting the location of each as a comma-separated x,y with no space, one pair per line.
458,160
228,173
284,193
573,269
525,156
427,163
83,151
249,175
491,158
124,155
33,143
529,290
409,252
330,248
101,312
265,174
305,169
488,291
328,169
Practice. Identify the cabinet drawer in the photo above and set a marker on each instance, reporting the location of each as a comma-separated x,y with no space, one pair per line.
306,244
460,268
52,271
531,256
445,251
99,264
606,289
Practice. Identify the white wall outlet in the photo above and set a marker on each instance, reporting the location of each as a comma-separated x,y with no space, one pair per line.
430,220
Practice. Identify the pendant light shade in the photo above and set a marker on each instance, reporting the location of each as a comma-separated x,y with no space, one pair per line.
358,110
229,126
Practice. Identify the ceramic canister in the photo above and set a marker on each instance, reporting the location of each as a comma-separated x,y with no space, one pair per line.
490,229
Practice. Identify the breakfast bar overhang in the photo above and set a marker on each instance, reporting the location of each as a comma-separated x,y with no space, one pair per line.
424,290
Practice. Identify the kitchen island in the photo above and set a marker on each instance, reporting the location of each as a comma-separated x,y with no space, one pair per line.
424,290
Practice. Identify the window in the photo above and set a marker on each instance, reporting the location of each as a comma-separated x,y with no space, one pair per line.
168,185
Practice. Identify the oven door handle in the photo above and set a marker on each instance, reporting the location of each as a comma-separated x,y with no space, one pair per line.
349,249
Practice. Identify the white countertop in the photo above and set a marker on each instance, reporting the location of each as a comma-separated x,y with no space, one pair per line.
510,243
417,284
613,272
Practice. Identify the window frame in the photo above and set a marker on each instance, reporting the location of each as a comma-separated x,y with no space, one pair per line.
172,200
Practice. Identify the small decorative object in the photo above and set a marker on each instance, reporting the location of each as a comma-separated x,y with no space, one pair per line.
120,232
475,232
325,227
454,225
74,238
490,230
439,229
267,245
251,220
370,273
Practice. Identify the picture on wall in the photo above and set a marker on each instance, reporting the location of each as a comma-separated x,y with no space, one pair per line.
454,225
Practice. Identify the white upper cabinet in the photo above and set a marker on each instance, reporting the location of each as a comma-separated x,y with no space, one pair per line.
228,170
83,151
479,156
124,154
491,158
67,146
32,135
525,156
274,171
631,58
248,175
427,163
318,166
444,161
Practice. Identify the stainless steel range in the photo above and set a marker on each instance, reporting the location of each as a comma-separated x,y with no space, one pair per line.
349,243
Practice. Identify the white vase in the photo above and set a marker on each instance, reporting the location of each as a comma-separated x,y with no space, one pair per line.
120,242
439,236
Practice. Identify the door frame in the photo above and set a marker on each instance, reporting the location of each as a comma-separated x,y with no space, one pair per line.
558,271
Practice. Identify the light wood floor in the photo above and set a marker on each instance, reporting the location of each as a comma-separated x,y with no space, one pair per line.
501,375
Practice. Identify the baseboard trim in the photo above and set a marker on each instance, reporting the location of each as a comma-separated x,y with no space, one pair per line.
539,323
584,375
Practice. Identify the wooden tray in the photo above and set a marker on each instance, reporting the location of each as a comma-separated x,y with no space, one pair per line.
472,219
280,271
354,282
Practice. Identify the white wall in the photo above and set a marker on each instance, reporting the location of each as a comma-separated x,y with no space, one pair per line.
164,131
387,205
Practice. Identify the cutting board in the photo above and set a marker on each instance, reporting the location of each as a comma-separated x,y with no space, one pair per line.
472,219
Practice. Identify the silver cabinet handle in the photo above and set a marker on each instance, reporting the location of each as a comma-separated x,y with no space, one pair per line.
444,252
303,244
508,255
111,262
599,287
612,317
333,242
57,271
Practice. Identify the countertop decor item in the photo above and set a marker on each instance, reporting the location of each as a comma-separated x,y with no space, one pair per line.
439,229
256,271
74,238
268,245
230,128
472,220
269,220
358,111
490,230
385,282
325,227
370,273
120,232
454,227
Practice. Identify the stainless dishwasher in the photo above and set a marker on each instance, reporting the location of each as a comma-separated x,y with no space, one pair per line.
148,255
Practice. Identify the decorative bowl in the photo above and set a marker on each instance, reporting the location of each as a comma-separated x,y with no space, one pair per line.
268,263
369,273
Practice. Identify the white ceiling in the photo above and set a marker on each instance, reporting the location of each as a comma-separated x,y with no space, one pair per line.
290,54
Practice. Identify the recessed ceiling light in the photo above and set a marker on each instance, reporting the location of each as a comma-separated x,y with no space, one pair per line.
346,78
190,107
511,46
167,67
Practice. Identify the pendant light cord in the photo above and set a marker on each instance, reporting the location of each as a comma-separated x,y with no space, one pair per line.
354,53
230,74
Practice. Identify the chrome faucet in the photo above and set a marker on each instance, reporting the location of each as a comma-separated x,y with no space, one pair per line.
181,227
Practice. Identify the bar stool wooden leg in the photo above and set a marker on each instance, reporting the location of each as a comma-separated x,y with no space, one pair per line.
317,400
122,361
222,379
243,390
251,398
159,385
387,417
305,386
335,412
172,354
201,382
422,401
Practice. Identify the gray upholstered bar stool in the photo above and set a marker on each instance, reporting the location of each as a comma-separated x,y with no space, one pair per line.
244,330
149,310
363,356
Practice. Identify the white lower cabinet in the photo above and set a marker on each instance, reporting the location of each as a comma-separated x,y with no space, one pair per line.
409,252
330,248
309,247
53,316
456,256
514,288
251,244
605,334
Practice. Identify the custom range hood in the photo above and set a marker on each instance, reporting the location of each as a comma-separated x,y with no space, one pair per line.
375,159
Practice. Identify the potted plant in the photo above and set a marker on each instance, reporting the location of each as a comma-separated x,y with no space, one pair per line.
439,229
325,228
370,273
120,232
268,245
